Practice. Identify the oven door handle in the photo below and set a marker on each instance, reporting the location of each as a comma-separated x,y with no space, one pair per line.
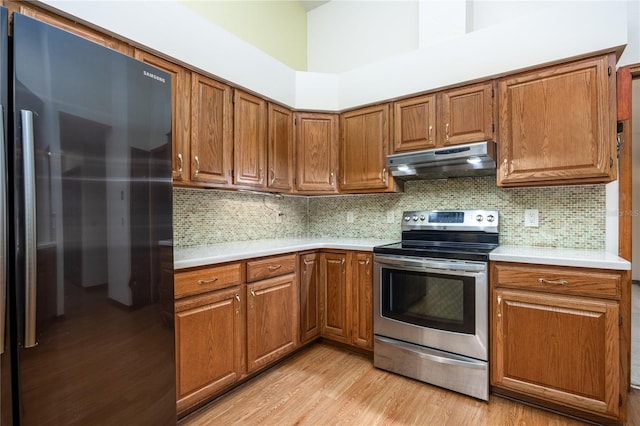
431,263
449,359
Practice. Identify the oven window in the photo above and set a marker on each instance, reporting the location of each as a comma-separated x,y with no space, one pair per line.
445,302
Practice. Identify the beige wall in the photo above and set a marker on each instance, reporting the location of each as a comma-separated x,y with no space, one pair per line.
279,28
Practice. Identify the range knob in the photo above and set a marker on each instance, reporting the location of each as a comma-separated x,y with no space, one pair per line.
422,218
415,218
479,218
490,218
407,218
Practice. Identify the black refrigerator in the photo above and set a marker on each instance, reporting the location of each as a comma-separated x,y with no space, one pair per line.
86,225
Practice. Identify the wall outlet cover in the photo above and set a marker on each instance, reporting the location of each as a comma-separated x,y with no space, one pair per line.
391,217
531,218
349,217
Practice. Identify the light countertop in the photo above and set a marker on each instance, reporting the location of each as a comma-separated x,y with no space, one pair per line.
188,257
560,257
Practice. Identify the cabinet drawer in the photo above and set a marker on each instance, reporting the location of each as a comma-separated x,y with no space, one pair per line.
206,279
564,280
271,267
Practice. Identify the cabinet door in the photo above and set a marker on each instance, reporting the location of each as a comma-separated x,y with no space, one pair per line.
316,152
208,344
560,349
415,124
467,114
211,131
271,320
180,117
309,296
364,145
280,148
557,125
362,300
249,139
335,321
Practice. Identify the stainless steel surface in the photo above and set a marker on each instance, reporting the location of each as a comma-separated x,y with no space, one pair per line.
30,242
458,373
475,159
3,232
426,264
471,345
472,220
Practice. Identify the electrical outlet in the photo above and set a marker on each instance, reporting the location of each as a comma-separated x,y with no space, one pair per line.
531,218
349,217
279,217
391,217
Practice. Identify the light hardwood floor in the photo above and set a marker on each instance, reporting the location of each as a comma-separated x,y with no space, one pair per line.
326,385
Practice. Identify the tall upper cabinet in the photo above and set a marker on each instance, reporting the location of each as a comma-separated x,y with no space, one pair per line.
316,152
557,124
280,148
364,145
180,120
249,139
211,131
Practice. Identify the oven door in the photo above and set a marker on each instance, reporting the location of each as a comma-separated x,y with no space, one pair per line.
437,303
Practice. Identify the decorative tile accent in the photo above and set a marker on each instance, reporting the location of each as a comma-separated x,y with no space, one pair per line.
569,216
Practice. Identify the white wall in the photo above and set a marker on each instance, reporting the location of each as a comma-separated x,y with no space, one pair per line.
549,34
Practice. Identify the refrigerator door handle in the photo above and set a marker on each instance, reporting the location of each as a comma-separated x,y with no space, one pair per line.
28,154
3,232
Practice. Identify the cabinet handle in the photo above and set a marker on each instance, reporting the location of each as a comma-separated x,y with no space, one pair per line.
384,175
261,175
212,280
197,166
273,176
180,164
253,293
238,299
331,179
367,265
253,296
274,267
307,262
430,132
559,282
499,306
505,167
447,132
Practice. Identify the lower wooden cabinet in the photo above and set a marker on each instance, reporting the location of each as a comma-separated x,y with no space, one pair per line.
209,344
556,338
310,286
347,301
271,320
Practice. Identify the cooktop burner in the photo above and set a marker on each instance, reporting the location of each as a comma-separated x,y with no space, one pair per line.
450,234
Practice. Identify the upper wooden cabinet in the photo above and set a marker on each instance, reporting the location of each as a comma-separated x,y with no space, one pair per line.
211,131
280,148
456,116
557,124
249,139
181,107
364,145
316,152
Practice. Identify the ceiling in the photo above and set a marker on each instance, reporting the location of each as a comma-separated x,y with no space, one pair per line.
312,4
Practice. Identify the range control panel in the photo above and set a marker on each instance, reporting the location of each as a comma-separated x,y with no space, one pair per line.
460,220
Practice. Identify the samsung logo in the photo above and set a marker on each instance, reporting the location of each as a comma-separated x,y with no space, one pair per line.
153,76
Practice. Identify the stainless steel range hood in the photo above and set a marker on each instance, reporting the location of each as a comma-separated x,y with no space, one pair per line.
474,159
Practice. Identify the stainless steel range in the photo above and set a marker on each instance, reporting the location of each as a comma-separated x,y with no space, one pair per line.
431,299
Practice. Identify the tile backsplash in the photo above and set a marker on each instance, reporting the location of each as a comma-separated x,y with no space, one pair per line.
569,216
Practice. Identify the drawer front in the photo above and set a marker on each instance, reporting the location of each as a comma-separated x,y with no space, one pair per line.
270,267
206,279
564,280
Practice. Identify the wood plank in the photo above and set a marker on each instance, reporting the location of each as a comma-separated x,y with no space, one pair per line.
327,385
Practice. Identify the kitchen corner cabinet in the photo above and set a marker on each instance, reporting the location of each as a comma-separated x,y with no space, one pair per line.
211,131
452,117
181,107
556,338
316,147
280,148
347,306
272,309
557,124
364,145
249,139
309,267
